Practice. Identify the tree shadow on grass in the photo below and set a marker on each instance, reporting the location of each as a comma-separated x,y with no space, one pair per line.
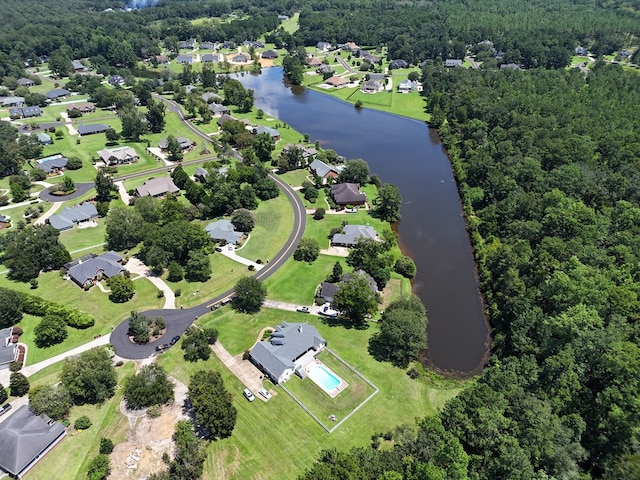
344,322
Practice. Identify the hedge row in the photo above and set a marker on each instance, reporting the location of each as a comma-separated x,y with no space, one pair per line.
39,307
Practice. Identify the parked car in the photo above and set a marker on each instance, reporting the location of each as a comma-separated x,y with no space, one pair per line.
327,311
248,394
163,347
265,393
303,309
218,249
5,408
174,340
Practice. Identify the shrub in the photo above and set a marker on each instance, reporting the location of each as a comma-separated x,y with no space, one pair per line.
82,423
99,468
18,330
405,267
154,411
177,292
319,213
15,366
307,251
74,163
106,446
18,385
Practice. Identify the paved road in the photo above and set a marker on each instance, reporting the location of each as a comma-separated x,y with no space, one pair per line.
179,320
81,189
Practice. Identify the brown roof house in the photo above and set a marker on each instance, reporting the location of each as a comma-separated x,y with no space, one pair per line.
348,194
25,438
157,187
336,81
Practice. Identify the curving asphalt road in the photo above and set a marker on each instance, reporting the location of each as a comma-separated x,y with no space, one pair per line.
81,189
179,320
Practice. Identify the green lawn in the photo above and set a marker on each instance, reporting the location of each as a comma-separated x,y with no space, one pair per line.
81,238
71,458
282,422
295,177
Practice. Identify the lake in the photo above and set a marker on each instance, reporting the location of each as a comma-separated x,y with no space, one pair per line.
432,231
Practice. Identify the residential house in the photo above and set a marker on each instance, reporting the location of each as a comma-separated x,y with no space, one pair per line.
57,93
225,118
78,66
163,60
240,58
350,47
91,129
625,53
372,86
273,133
327,290
11,101
322,69
157,187
399,63
336,81
211,97
116,80
270,54
407,86
52,165
4,222
218,110
223,231
200,175
250,44
208,46
25,438
452,62
44,139
118,156
283,17
352,234
324,171
82,107
323,46
26,82
348,194
78,214
184,59
187,44
509,66
185,143
315,62
210,58
91,268
581,51
291,348
8,349
369,57
228,44
25,112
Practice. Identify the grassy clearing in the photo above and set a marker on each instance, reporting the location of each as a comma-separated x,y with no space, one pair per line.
291,25
297,436
71,458
81,238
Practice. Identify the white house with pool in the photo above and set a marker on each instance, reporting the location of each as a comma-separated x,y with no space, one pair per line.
291,349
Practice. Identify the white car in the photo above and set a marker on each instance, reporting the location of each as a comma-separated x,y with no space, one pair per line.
265,393
327,311
248,394
303,309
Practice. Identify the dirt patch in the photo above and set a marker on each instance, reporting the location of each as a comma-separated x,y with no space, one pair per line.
140,454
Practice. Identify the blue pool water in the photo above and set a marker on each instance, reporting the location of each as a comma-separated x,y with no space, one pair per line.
324,377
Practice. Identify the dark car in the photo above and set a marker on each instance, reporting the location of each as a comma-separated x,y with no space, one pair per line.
174,340
5,408
163,347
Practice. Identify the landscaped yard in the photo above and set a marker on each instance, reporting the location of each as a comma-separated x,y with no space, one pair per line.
281,422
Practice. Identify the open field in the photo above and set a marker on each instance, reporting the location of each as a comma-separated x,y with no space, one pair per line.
298,437
291,25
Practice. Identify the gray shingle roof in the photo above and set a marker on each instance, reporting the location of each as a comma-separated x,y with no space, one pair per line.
57,93
106,263
210,57
70,215
223,230
8,350
90,129
25,112
353,233
453,62
288,343
11,101
347,193
184,59
156,187
271,131
216,108
24,437
49,164
321,169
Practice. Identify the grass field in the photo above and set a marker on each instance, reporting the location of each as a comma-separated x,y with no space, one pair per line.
291,25
70,459
296,282
282,423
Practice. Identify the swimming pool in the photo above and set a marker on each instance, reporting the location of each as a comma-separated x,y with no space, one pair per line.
323,377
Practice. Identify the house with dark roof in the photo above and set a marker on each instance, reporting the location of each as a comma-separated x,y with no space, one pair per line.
78,66
184,59
399,63
509,66
157,187
270,54
324,171
52,165
91,128
291,348
116,80
44,138
581,51
57,93
8,350
211,97
323,46
187,44
185,143
272,132
200,175
25,438
322,69
210,58
207,45
118,156
12,101
223,231
25,112
351,234
240,58
348,194
217,109
372,86
78,214
368,57
327,290
224,118
86,273
26,82
452,62
163,60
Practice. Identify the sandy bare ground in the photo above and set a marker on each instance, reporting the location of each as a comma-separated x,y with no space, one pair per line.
140,454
